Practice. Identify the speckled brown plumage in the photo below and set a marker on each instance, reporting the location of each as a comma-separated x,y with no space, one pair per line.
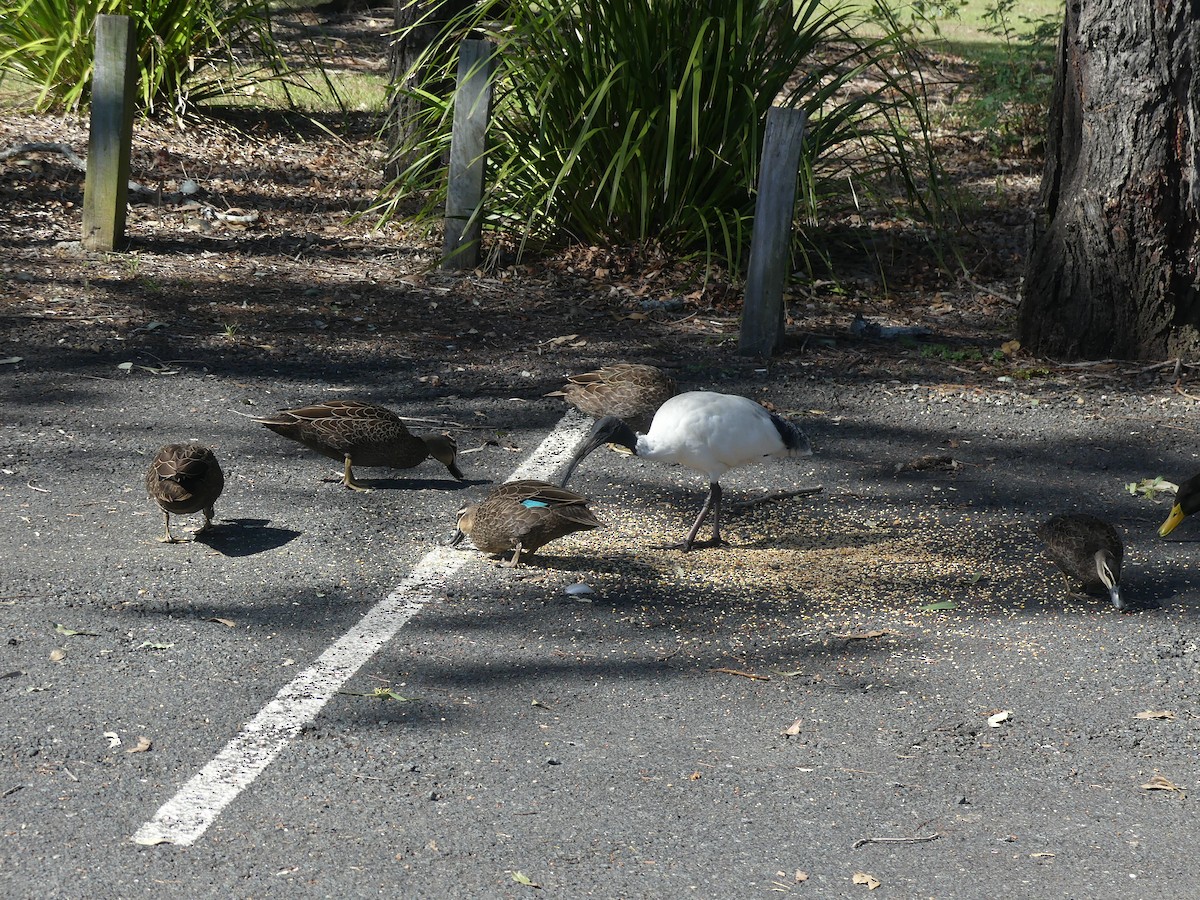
183,479
1087,550
363,434
523,516
629,391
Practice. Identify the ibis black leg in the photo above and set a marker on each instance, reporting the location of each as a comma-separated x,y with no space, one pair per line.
712,504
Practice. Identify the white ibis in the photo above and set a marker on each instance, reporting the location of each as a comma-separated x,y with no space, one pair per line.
706,431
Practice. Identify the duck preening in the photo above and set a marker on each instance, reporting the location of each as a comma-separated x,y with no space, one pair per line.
706,431
1088,550
630,391
1187,502
522,517
183,479
363,434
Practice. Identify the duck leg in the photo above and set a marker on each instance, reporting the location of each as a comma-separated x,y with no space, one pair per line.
712,505
168,538
516,558
348,478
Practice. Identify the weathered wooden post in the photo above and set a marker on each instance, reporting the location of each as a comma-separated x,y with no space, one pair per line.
468,144
771,243
106,184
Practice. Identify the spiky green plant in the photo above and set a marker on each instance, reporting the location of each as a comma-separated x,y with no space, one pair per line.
185,48
628,120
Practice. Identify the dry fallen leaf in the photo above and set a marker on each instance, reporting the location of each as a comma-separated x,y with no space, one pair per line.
998,718
143,744
1156,714
58,654
792,730
1159,783
869,880
228,623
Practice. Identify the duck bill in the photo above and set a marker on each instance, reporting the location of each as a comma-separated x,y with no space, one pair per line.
1173,519
458,537
1117,600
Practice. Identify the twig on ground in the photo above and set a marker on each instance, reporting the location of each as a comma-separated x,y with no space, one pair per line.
861,842
751,675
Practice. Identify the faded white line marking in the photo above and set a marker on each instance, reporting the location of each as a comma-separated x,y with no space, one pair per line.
187,815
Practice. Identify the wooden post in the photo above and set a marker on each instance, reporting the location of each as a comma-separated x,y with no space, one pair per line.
114,84
771,242
468,144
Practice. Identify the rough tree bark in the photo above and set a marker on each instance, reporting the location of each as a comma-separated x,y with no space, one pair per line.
402,114
1112,268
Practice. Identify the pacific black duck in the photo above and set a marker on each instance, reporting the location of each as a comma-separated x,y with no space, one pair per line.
363,434
630,391
1087,550
708,432
183,479
1187,502
523,516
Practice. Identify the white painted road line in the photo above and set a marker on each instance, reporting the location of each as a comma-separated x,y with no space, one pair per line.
187,815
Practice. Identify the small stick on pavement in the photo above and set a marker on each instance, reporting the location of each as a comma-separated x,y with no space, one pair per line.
750,675
889,840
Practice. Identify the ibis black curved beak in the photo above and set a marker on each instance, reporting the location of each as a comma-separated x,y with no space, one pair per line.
456,472
609,430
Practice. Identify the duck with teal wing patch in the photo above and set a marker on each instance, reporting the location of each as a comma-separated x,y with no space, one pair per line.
522,517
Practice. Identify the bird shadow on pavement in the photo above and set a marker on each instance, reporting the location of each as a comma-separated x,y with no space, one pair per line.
245,537
417,484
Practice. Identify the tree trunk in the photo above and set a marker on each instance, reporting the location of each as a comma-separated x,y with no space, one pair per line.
403,115
1112,268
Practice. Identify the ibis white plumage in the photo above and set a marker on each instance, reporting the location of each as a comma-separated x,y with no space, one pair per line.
705,431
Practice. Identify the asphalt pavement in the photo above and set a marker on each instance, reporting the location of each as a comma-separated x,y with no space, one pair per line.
882,682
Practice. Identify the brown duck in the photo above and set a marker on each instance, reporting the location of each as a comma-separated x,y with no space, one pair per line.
1087,550
630,391
363,434
523,516
183,479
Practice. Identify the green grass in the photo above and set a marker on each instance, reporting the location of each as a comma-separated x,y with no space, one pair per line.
969,27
